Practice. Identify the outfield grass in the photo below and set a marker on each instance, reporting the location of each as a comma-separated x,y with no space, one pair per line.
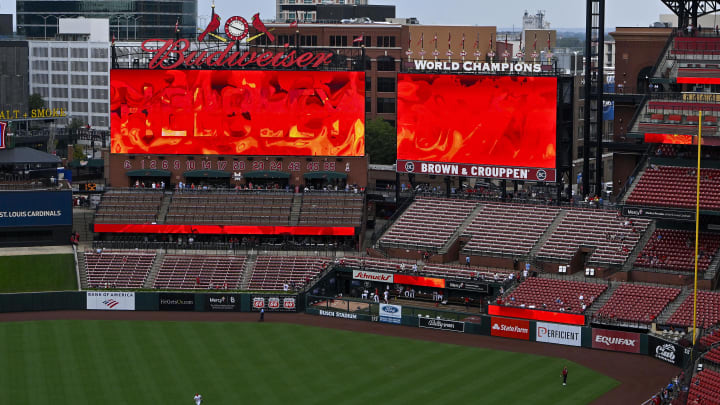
37,273
141,362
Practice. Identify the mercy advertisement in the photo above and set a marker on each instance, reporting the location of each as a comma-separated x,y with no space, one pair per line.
237,112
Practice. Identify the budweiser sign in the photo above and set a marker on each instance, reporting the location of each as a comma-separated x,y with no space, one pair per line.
372,276
616,340
171,54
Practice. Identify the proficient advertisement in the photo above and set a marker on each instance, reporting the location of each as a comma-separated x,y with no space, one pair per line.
510,328
441,324
616,340
111,300
391,313
558,334
237,112
176,302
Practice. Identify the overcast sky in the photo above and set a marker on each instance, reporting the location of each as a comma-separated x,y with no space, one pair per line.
503,13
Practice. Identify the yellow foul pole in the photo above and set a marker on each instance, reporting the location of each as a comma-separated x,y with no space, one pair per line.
697,225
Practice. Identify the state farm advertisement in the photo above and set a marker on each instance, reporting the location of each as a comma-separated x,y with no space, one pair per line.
490,126
373,276
616,340
237,112
510,328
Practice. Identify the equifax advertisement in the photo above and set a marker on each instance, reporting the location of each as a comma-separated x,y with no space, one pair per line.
35,208
477,126
616,340
237,112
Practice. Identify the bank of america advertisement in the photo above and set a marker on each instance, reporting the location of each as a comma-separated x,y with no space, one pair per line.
111,300
35,208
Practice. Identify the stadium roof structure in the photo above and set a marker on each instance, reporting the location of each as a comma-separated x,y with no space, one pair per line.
17,156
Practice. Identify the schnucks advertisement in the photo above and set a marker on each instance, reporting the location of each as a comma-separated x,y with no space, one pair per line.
558,334
111,300
237,112
477,126
510,328
616,340
390,313
35,208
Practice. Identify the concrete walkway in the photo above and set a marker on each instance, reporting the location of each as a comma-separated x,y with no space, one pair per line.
35,250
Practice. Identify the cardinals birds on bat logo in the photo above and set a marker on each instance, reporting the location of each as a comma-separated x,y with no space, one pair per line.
236,28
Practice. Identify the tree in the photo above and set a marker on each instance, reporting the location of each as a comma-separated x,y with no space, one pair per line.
36,102
75,123
380,142
78,152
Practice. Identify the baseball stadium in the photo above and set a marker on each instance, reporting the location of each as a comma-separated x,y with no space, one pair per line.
237,239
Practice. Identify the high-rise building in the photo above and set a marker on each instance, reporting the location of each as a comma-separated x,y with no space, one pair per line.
129,19
306,10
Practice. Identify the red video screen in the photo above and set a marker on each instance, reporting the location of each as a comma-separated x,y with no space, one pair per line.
485,120
237,112
669,138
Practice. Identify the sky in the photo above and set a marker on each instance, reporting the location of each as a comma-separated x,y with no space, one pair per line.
502,13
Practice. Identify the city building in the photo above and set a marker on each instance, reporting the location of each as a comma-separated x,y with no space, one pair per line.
72,72
13,75
129,19
307,10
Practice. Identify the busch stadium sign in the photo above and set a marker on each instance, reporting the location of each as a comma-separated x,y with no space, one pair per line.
177,53
478,67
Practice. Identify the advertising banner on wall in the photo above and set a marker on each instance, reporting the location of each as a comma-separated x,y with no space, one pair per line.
373,276
558,334
616,340
441,324
391,313
222,303
111,300
35,208
176,301
510,328
665,351
286,304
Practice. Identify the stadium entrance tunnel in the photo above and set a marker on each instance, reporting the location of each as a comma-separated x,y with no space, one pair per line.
208,177
267,178
320,180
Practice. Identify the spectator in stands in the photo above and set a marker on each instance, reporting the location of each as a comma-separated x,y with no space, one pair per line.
415,268
467,261
402,267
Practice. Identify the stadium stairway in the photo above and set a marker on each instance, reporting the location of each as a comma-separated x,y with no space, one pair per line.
635,182
159,257
165,206
629,263
713,267
295,209
248,270
83,269
673,306
546,235
459,231
603,298
82,218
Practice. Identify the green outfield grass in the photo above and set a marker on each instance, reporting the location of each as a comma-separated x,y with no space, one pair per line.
141,362
37,273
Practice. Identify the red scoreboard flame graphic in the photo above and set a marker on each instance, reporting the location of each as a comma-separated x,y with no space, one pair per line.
235,112
489,120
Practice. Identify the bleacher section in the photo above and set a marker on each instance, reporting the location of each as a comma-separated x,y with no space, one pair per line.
637,303
466,272
708,311
189,272
675,187
117,269
331,209
706,46
673,249
378,264
705,388
428,224
554,295
613,237
713,355
129,207
507,229
232,207
711,338
271,272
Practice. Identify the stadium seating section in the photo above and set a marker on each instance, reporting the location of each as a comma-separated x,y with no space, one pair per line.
708,314
117,269
637,303
272,272
705,388
700,45
507,229
378,264
428,224
671,186
331,209
242,208
612,236
129,207
466,272
673,249
713,355
190,272
711,338
554,295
